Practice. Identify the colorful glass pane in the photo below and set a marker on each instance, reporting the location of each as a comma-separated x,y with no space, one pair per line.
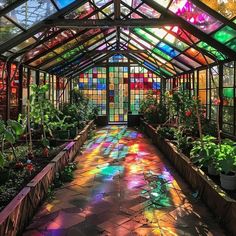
195,16
93,85
212,50
142,81
225,34
232,44
167,49
118,94
63,3
226,8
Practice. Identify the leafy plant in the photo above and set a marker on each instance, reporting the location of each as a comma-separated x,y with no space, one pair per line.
67,174
167,132
9,133
203,152
226,157
183,141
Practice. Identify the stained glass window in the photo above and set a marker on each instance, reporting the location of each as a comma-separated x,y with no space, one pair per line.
228,97
118,94
195,16
93,85
142,81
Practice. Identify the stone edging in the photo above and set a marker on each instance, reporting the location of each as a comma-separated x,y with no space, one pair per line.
16,215
213,196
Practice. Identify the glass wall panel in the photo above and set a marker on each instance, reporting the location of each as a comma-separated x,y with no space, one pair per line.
93,85
142,81
228,97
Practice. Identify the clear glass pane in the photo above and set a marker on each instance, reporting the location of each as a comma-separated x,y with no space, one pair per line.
7,30
32,12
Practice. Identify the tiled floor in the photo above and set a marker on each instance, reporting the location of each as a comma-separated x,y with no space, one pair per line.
123,186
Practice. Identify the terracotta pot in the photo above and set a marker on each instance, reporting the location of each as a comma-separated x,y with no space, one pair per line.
228,182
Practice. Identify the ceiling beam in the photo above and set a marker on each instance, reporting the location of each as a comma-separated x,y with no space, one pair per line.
104,23
38,27
117,17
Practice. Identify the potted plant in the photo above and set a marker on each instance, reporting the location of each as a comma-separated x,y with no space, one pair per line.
226,164
203,153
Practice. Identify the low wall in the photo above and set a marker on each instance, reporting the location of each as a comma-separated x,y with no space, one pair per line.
214,197
17,214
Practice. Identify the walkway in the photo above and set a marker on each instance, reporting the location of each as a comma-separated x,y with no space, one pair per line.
123,186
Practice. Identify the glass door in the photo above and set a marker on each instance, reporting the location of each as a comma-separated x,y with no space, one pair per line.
118,94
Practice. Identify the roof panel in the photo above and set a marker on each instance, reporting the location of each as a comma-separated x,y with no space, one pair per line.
63,3
195,16
32,12
227,8
7,30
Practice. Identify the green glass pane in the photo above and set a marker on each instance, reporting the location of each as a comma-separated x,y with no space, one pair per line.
166,72
172,40
147,36
228,92
162,54
225,34
232,44
212,50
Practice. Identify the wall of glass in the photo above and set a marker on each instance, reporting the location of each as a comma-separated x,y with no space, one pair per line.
118,89
14,95
216,89
142,81
93,85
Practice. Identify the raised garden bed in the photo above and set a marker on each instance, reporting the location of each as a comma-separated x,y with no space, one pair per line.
221,204
16,215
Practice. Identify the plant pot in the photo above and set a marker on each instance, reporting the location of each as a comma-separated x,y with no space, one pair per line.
228,182
212,170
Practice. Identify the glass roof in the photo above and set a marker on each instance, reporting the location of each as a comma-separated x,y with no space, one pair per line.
167,49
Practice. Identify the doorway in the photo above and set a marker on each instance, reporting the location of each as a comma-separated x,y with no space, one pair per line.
118,94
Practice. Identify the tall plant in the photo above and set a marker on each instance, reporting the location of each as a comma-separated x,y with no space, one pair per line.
9,133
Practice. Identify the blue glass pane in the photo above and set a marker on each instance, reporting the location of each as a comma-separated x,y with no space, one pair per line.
156,85
167,49
63,3
150,66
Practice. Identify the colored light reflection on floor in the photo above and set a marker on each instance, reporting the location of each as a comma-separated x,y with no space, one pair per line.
122,187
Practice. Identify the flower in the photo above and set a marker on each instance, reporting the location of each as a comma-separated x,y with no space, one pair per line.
29,167
216,101
188,113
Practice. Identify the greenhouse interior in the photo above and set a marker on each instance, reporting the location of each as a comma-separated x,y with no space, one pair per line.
117,117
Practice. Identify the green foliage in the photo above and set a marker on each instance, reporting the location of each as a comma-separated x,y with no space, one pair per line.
80,111
167,132
226,157
42,111
9,133
152,110
183,141
203,152
67,174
